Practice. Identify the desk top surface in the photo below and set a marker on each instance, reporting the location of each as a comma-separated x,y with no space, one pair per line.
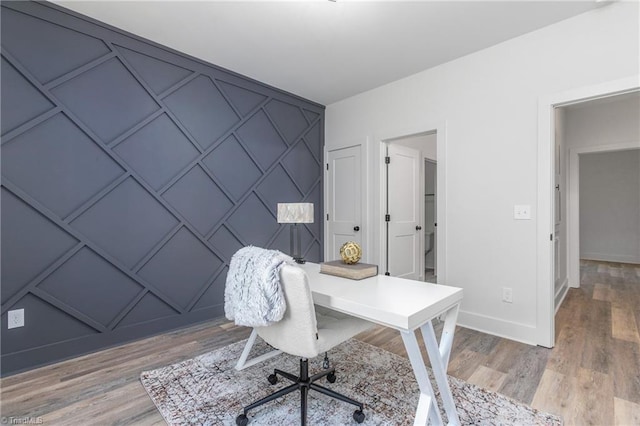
395,302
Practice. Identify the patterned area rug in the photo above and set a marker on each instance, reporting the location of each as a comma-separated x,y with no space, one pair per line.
207,390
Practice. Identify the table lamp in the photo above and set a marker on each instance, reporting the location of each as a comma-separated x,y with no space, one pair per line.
295,213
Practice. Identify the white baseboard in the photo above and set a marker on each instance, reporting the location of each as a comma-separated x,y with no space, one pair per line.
607,257
498,327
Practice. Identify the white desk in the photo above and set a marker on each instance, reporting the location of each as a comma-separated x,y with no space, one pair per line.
405,305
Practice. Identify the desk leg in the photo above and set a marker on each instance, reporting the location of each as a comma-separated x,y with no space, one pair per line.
427,405
242,361
439,357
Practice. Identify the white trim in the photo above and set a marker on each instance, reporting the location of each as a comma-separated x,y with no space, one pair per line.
441,214
497,327
544,330
561,293
573,206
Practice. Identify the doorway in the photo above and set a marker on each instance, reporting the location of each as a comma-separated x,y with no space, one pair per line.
547,134
410,210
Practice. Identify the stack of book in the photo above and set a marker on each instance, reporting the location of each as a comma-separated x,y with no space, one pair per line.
356,271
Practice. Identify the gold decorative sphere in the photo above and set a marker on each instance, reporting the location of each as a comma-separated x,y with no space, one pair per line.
350,252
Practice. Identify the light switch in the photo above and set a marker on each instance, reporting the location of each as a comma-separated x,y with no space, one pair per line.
522,212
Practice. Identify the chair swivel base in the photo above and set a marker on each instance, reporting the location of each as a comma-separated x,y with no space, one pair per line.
303,383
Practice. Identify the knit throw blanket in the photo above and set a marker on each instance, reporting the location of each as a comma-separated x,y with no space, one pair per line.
252,295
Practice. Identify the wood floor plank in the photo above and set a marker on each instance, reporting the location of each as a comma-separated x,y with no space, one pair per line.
463,364
487,378
569,346
626,412
602,292
555,394
623,324
593,401
626,370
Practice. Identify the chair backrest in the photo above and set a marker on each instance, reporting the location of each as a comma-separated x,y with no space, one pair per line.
296,333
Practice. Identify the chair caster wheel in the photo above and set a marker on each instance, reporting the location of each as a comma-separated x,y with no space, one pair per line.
358,416
331,377
273,379
242,420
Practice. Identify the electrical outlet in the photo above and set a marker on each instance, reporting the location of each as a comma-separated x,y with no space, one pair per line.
522,212
507,295
15,318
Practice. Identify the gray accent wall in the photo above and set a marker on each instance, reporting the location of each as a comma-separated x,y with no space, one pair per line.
131,173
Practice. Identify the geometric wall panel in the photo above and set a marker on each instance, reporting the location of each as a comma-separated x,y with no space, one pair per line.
282,241
47,50
44,324
201,108
149,308
225,241
58,165
154,170
311,116
277,187
313,139
244,100
262,140
214,294
196,197
253,222
29,248
126,223
158,151
15,86
233,167
91,285
107,99
299,162
159,75
288,118
181,268
315,197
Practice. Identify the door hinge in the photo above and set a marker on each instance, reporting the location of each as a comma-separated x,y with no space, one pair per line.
327,166
551,237
327,216
387,218
387,160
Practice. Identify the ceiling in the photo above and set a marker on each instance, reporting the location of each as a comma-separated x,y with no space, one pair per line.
326,51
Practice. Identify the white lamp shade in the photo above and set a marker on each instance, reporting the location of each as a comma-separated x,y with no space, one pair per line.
295,212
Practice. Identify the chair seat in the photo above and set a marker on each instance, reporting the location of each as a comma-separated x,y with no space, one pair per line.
335,328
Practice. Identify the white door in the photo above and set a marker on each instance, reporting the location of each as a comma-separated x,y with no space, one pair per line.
344,199
403,199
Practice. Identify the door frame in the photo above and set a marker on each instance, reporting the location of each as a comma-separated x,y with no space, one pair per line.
573,205
440,130
545,294
426,160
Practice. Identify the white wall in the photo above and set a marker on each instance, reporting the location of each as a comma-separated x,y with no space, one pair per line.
608,121
425,143
489,102
610,206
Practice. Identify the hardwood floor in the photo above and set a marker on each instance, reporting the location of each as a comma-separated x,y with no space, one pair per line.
591,377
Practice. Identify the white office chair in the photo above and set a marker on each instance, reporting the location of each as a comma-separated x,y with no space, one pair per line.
307,333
